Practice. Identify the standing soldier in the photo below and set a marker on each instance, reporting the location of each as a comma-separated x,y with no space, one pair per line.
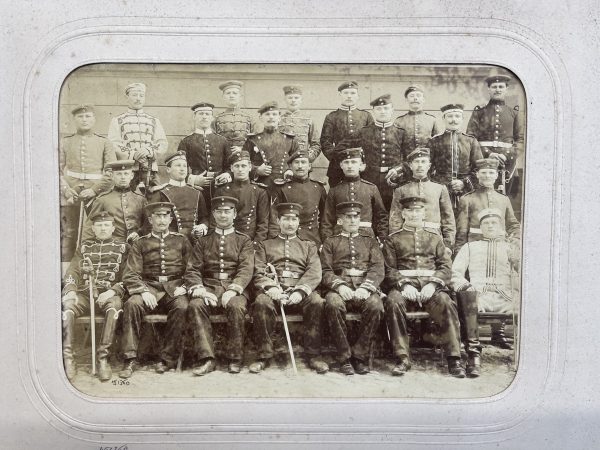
139,136
154,277
439,216
191,215
217,276
374,216
83,157
270,149
340,125
482,276
124,205
453,155
252,216
419,125
102,259
287,270
303,190
499,130
297,123
384,145
207,153
417,272
233,123
352,272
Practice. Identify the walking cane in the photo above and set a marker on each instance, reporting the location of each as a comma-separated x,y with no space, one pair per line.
92,316
284,319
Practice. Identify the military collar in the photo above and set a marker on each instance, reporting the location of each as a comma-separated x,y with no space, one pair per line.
384,125
419,180
85,133
241,182
135,111
414,113
177,183
301,180
122,189
486,189
411,229
165,234
203,132
269,129
110,240
497,102
345,234
347,108
352,179
451,131
291,113
287,238
494,239
223,232
236,109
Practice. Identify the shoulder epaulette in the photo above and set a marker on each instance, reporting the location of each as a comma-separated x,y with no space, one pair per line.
69,135
157,188
99,135
146,236
432,232
367,182
137,193
176,233
105,192
429,114
402,115
437,135
398,126
363,233
242,234
318,181
256,183
395,232
251,135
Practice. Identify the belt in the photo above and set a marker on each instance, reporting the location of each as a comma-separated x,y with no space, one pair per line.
219,275
164,278
354,272
84,176
417,273
495,144
289,274
365,224
435,225
383,169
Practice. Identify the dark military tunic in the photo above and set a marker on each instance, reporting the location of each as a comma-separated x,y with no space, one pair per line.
439,216
222,260
467,222
419,126
252,217
156,264
298,269
272,148
312,196
301,126
453,157
357,262
373,215
385,147
418,257
189,208
341,124
234,124
127,208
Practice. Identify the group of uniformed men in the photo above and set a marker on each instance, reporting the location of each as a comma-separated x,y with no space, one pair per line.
404,198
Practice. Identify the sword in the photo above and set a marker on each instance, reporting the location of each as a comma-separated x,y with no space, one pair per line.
92,315
81,217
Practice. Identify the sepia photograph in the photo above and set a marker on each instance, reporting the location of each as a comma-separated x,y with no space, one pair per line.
291,230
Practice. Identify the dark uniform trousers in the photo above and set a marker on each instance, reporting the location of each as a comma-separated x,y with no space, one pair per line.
371,311
198,317
441,310
264,313
134,312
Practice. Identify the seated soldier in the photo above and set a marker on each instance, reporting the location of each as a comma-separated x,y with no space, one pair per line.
352,271
217,275
252,217
482,276
154,277
418,270
191,215
101,259
287,270
352,188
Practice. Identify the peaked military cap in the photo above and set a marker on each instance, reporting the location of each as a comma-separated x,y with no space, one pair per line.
300,153
348,208
384,99
202,105
269,106
224,202
159,208
135,87
489,212
452,107
419,152
241,155
487,163
497,79
79,109
285,209
354,152
102,216
231,83
412,88
175,157
292,89
123,164
348,85
413,202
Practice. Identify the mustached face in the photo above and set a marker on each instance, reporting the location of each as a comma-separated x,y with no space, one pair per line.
453,120
415,100
288,224
136,99
497,91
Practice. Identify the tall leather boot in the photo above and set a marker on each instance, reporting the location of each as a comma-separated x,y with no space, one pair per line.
68,318
498,336
467,314
108,335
